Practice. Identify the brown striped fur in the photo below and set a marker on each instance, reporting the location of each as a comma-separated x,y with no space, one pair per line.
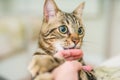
51,40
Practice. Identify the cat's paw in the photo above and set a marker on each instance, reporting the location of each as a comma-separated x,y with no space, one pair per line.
42,64
44,76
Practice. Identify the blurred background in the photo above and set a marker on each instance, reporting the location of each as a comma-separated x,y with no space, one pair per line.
20,21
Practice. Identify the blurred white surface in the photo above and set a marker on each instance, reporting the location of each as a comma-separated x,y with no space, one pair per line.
112,62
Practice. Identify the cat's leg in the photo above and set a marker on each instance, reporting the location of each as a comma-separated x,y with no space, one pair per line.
45,76
87,75
41,64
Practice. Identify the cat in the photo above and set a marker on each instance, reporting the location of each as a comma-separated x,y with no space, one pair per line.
59,31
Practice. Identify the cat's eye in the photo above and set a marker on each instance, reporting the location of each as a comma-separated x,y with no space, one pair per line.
63,29
80,31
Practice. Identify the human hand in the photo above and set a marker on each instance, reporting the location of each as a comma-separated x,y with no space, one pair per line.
70,54
67,71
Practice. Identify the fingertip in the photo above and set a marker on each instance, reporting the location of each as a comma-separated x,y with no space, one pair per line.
87,68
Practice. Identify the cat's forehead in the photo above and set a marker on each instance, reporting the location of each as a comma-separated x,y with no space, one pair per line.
71,19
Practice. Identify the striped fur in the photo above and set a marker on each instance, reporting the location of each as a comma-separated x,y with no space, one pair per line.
51,40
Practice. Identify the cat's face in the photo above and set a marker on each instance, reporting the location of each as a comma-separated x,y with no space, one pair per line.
60,30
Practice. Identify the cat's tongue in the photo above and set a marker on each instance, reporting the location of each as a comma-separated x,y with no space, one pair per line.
70,54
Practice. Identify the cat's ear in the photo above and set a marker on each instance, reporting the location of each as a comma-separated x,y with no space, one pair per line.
50,9
79,10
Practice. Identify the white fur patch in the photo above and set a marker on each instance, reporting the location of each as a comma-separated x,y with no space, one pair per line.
58,46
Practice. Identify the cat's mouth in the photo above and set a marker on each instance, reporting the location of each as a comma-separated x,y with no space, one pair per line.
74,47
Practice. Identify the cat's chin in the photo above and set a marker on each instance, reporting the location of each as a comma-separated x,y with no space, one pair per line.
66,49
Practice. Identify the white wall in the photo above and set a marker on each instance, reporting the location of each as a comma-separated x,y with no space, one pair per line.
115,30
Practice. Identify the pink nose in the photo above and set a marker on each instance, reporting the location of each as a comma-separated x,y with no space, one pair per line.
75,38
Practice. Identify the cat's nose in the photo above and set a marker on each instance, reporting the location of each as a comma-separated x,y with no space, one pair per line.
75,38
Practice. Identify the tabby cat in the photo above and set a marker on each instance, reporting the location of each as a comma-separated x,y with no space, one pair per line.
59,31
